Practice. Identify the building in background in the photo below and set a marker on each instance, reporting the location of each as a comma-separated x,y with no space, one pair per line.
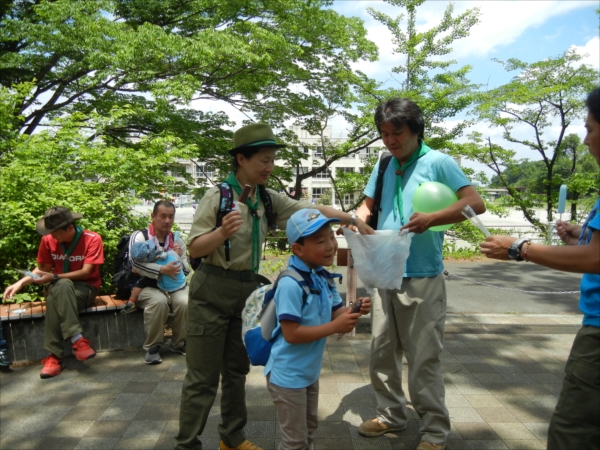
318,187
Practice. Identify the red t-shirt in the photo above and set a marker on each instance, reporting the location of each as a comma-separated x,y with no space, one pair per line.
88,250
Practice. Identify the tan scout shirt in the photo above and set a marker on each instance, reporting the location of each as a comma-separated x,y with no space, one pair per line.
240,254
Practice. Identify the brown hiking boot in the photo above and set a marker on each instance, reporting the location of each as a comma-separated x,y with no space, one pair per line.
375,427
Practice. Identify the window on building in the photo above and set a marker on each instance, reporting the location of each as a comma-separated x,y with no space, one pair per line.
322,174
203,171
319,192
349,199
299,170
318,153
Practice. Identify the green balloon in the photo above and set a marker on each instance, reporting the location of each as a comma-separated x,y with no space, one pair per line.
432,196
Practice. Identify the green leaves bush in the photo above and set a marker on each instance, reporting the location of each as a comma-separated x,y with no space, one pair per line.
68,166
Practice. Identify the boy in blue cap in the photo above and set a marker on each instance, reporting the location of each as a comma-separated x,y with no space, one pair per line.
303,323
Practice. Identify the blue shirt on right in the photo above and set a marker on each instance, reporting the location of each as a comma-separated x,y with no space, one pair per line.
589,300
425,258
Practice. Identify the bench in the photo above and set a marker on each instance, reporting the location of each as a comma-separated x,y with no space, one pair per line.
102,323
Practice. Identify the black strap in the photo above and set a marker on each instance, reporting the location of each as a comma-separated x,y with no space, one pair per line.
224,209
384,162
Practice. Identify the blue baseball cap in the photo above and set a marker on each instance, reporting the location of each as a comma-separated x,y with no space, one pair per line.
306,222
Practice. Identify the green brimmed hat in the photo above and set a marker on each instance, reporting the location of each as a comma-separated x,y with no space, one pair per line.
253,136
55,218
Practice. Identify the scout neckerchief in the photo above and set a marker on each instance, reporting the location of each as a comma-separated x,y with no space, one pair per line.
233,182
398,203
67,252
169,240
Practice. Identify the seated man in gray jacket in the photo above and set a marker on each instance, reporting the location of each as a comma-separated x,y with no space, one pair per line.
155,302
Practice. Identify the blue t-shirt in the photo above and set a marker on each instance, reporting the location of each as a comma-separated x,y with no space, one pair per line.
589,300
296,366
166,282
425,258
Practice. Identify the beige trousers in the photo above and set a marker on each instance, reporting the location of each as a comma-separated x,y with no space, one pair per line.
410,322
297,415
156,305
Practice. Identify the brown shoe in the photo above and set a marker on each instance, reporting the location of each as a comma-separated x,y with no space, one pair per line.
246,445
375,427
424,445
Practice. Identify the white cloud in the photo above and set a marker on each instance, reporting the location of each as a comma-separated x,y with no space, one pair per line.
590,51
501,23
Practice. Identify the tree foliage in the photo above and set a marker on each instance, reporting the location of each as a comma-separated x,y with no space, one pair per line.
99,97
543,99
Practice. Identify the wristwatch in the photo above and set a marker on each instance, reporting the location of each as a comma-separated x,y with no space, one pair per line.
55,278
353,219
514,251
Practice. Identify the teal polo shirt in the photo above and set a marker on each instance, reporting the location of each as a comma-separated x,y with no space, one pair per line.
425,258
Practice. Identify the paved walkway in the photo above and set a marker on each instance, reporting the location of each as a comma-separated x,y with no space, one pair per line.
502,373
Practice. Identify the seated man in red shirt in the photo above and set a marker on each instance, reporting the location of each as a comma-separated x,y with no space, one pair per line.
69,261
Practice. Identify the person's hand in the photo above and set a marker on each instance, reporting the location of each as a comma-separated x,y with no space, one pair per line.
177,249
568,232
345,323
418,223
362,227
12,290
340,230
232,222
365,307
171,269
496,247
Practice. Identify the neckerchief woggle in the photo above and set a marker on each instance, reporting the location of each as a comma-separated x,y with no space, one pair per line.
67,252
398,202
233,182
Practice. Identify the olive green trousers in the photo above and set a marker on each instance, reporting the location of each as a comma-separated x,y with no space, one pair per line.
575,423
64,300
214,350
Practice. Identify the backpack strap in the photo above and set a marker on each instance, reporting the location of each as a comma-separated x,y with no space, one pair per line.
384,162
331,277
225,205
269,212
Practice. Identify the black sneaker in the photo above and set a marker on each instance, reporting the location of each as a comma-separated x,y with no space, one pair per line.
153,356
180,350
5,360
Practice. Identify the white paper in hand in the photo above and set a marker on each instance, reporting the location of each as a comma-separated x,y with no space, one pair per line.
379,258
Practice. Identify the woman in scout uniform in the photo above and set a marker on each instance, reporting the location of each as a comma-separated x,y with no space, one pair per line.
220,286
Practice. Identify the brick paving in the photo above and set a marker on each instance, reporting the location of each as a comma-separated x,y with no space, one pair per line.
501,389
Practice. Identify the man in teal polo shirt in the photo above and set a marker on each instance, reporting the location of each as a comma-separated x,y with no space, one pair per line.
410,321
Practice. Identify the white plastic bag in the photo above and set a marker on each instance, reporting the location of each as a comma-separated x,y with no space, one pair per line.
379,259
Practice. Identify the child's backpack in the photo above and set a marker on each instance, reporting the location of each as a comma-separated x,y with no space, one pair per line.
225,207
259,315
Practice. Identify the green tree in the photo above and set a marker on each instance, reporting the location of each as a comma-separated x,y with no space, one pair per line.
545,97
96,99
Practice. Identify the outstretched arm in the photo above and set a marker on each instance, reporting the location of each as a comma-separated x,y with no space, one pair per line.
572,258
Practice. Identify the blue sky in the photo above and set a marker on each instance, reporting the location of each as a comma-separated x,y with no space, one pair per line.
528,30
